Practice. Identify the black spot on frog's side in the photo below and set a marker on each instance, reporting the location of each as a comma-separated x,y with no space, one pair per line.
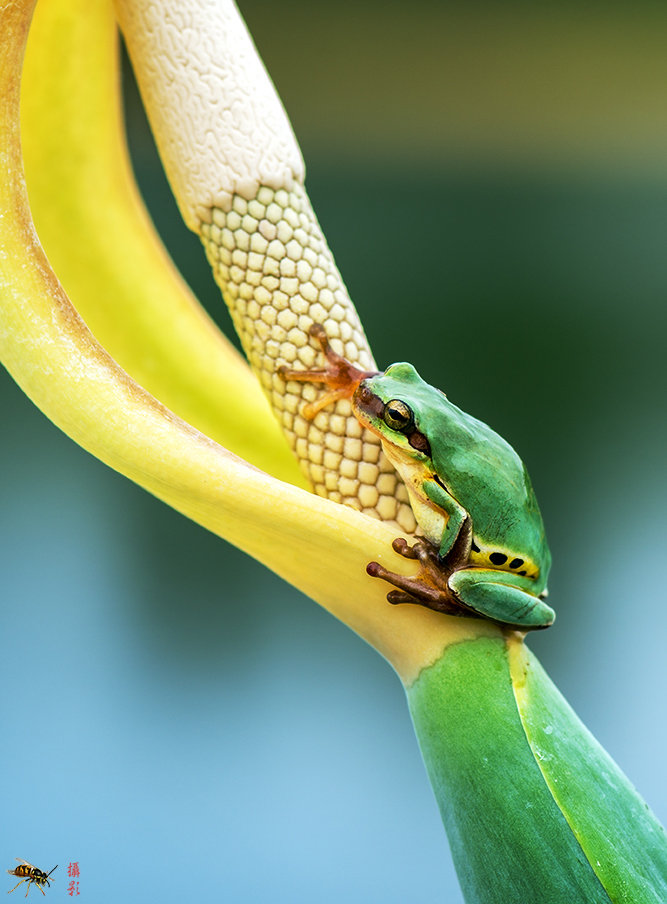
500,558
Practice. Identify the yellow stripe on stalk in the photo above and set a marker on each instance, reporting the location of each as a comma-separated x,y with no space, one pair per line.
317,545
102,243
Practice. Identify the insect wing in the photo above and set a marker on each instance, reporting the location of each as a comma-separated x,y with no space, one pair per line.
17,871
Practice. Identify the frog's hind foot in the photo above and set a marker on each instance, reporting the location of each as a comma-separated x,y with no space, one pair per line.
428,588
339,374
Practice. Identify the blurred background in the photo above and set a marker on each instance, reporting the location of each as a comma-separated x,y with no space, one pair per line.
493,182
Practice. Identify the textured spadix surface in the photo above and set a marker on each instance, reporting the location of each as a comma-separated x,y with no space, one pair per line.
268,254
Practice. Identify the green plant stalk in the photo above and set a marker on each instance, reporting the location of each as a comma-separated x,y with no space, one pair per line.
530,801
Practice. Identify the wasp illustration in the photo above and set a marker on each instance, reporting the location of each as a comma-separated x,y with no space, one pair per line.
30,874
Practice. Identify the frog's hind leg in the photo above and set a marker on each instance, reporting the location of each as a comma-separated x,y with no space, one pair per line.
428,588
490,594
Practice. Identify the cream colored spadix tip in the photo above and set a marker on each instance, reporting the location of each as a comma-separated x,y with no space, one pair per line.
222,129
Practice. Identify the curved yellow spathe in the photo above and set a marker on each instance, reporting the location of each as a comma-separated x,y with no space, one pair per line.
317,545
101,242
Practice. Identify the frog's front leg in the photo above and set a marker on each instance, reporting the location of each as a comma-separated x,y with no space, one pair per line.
457,529
339,374
494,594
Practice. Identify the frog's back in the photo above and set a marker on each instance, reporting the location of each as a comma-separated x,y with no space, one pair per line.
486,476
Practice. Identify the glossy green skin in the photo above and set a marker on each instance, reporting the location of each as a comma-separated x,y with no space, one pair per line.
484,478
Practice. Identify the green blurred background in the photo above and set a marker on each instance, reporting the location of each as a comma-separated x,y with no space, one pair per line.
492,179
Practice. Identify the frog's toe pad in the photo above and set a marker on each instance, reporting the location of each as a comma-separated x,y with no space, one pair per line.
396,597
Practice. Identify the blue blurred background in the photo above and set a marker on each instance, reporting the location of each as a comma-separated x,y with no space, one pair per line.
493,182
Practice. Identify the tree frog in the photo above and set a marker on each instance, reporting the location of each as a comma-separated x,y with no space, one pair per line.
484,552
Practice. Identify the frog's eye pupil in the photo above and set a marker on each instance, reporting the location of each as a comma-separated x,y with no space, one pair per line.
398,416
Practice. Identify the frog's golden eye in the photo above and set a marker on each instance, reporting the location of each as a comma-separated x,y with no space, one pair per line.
398,416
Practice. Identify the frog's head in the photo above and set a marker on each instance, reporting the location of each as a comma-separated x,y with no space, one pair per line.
395,406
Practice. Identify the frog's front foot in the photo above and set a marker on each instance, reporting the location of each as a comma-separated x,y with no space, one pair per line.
339,375
429,588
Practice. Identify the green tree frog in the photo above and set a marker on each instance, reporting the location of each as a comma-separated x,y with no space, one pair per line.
484,551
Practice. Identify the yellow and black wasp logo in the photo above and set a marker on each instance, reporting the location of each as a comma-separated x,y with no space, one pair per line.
30,874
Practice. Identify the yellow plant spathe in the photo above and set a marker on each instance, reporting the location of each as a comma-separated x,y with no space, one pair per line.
317,545
108,256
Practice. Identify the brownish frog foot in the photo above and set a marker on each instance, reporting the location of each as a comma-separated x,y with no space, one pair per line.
339,375
429,588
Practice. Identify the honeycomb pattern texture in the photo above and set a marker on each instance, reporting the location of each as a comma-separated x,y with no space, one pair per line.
278,277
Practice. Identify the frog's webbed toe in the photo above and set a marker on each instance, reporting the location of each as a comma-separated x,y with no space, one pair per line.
339,375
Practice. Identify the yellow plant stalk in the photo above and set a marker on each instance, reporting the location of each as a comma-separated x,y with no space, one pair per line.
317,545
